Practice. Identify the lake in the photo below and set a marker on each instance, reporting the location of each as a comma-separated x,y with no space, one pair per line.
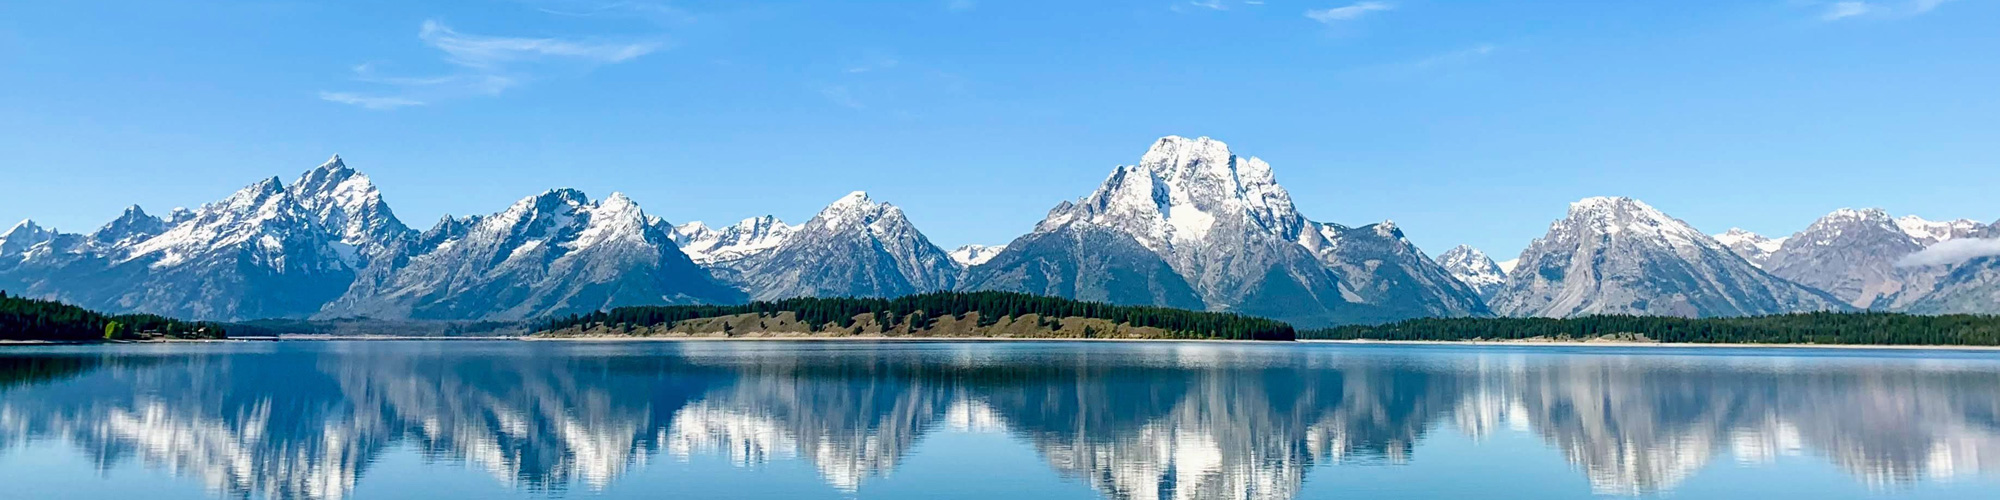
1046,420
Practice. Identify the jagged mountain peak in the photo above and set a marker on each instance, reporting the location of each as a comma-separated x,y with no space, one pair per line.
346,201
741,240
24,235
856,246
1473,268
130,226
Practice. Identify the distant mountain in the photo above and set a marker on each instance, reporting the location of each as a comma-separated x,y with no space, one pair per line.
1621,256
549,254
973,255
744,239
1191,225
1753,247
1473,268
1852,254
258,253
854,247
1232,236
1966,269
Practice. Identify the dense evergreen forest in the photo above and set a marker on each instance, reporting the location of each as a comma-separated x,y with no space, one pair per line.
1804,328
31,319
991,306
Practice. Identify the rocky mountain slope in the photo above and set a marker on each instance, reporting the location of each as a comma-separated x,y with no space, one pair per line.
1473,268
549,254
1621,256
854,247
1230,234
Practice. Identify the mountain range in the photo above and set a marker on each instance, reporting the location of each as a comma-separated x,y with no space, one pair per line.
1191,225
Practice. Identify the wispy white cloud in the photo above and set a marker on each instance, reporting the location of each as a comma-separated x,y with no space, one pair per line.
1333,15
1952,252
1853,9
1210,5
487,66
485,52
1455,57
1843,10
370,102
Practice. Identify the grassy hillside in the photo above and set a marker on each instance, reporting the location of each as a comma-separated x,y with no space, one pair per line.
31,319
1807,328
978,314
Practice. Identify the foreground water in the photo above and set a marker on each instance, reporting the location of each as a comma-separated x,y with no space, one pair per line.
469,419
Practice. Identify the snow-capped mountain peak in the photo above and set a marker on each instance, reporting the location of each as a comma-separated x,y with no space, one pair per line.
744,239
1754,247
973,255
1623,216
128,228
24,235
346,202
1474,268
1928,232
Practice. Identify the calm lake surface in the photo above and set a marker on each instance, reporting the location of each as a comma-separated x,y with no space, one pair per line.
506,419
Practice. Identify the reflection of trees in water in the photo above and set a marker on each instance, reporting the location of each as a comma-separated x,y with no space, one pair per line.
1196,422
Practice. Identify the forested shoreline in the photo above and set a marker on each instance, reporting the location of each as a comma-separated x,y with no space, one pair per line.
924,311
1803,328
34,319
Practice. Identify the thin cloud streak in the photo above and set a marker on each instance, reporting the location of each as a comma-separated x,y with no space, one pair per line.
1348,13
370,102
484,52
1853,9
489,66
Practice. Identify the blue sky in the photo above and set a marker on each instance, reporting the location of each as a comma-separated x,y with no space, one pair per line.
1465,122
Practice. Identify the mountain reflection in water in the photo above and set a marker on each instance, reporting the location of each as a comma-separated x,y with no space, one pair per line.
1133,421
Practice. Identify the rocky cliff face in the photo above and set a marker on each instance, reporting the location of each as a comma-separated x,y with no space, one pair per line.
1621,256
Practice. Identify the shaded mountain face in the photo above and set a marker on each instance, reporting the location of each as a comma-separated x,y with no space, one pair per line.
1621,256
1753,247
1225,227
855,247
1473,268
1084,262
550,254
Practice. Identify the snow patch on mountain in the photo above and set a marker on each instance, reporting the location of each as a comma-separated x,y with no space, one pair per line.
1470,266
973,255
1753,247
744,239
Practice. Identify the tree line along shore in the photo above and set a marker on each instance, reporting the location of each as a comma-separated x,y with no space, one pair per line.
34,319
1017,315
